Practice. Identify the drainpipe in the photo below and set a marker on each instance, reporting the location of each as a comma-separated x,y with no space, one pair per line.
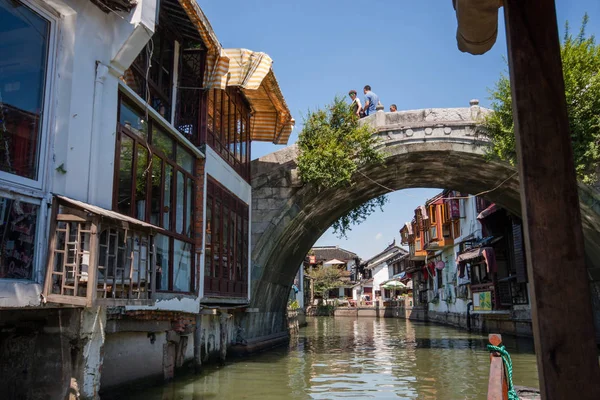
469,305
101,74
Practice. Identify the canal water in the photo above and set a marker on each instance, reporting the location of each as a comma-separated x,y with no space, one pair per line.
365,358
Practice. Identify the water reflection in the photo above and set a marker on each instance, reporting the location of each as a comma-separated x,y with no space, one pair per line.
348,358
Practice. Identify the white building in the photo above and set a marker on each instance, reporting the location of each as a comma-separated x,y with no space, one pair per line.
125,134
378,270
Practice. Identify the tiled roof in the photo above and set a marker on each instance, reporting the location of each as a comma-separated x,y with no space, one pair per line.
390,252
325,253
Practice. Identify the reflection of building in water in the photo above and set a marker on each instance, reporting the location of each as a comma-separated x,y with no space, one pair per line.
124,189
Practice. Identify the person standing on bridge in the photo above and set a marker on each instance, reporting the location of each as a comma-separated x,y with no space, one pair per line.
371,101
356,106
393,108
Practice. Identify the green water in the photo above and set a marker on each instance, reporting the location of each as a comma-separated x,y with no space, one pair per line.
366,358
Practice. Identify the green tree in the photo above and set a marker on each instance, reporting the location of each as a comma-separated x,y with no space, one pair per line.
581,69
325,279
333,146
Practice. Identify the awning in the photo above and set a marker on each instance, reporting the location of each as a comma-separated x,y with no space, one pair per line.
333,262
105,213
393,285
487,253
470,254
252,72
488,211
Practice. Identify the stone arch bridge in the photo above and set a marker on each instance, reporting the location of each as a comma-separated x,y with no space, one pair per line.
442,148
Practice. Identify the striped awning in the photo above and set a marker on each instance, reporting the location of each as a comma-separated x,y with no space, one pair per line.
247,68
253,73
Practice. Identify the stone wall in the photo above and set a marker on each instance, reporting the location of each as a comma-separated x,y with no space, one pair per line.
151,346
421,148
40,352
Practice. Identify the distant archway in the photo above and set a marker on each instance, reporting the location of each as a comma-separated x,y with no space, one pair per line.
440,148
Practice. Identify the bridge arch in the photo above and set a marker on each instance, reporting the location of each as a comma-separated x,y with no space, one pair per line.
441,148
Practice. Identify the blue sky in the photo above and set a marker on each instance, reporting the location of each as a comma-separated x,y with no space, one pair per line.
406,51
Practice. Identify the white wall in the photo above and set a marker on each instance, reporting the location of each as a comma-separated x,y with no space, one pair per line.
223,173
380,275
79,133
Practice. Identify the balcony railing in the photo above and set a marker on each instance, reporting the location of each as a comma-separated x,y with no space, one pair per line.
98,257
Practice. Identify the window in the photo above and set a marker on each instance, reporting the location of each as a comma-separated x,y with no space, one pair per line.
154,182
227,128
440,279
432,214
156,62
226,244
434,232
18,228
25,42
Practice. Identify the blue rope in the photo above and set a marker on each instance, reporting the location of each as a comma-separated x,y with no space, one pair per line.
512,393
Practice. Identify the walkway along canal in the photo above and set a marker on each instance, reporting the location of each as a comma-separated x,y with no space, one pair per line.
342,358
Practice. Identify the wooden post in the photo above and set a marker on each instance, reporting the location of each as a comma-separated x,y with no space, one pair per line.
497,384
566,352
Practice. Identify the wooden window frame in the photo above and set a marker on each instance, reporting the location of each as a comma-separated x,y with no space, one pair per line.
224,139
224,279
170,231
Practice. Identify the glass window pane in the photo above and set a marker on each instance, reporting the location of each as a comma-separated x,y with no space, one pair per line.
208,257
232,246
244,135
24,39
133,120
188,207
210,111
162,244
240,248
182,266
225,252
238,135
185,159
232,130
225,121
163,142
179,203
18,224
166,220
155,209
217,131
141,185
217,238
245,247
125,175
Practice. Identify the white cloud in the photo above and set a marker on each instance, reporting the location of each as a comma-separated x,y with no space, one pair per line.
378,236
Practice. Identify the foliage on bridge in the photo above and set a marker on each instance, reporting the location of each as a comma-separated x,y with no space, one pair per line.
581,69
333,146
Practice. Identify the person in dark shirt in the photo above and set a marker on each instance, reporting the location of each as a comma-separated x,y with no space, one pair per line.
393,108
356,105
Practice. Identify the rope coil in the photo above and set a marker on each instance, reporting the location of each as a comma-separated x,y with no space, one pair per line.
512,393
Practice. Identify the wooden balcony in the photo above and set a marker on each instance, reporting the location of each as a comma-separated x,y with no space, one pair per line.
98,257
